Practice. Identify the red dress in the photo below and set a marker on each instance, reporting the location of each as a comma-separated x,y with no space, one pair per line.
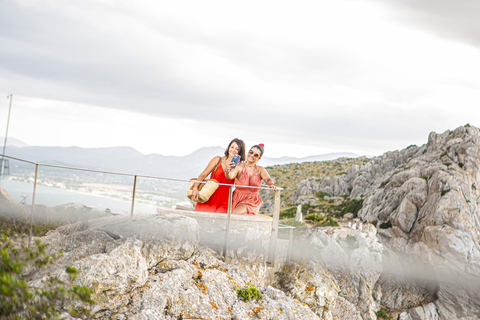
218,202
248,196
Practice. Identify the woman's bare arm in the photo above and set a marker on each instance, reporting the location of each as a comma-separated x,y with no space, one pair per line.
266,177
232,174
210,167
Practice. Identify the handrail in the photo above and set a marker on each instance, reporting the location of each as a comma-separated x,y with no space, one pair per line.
123,173
276,209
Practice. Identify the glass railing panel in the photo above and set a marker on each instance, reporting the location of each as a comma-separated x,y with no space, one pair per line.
17,181
162,193
59,187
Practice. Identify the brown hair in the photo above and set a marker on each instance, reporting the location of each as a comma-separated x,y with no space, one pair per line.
241,148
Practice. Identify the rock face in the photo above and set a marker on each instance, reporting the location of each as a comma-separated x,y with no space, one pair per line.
431,203
425,204
354,260
151,267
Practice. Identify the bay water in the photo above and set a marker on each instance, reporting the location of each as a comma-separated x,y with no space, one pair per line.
51,197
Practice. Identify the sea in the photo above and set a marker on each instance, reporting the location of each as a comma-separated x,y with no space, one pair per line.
51,197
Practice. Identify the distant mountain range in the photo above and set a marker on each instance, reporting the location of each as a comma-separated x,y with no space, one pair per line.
129,160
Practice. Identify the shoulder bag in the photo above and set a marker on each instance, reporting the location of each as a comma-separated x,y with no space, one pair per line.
205,189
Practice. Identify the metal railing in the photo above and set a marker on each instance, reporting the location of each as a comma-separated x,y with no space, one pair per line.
276,208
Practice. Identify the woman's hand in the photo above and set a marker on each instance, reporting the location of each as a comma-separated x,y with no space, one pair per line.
195,192
232,173
230,167
267,179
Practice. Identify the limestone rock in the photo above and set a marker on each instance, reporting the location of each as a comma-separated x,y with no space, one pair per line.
436,220
354,259
311,284
152,267
425,202
345,310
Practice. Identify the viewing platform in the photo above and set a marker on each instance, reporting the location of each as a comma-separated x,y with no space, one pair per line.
230,234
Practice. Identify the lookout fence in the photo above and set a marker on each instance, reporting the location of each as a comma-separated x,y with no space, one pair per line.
275,215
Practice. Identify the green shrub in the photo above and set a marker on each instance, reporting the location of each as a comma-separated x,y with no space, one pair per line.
384,183
19,300
14,226
315,217
288,213
350,206
249,293
321,194
444,192
382,314
321,220
386,225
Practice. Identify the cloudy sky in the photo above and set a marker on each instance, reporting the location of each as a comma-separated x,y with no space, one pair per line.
303,77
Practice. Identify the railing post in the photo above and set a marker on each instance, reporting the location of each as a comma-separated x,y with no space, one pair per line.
33,204
290,247
6,135
229,214
133,195
273,239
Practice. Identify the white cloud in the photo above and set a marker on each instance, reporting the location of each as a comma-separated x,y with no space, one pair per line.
324,75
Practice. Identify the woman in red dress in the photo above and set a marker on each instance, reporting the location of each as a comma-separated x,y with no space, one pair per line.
247,200
218,202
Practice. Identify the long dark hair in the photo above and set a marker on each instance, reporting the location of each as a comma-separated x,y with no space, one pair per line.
241,148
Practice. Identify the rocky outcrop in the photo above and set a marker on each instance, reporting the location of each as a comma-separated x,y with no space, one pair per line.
152,267
312,284
425,203
358,180
354,259
428,209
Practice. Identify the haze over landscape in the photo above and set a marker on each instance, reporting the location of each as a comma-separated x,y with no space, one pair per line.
129,160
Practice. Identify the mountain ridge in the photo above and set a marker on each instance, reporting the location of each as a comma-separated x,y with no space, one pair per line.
128,160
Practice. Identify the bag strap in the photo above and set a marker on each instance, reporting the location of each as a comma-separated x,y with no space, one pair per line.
216,167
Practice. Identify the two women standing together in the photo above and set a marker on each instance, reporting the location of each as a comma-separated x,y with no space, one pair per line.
247,174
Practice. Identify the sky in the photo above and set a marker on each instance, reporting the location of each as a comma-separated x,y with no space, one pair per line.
304,78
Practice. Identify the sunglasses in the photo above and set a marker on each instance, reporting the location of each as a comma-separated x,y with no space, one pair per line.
256,155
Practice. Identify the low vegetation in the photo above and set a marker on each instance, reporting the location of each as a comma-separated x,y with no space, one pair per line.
319,220
385,225
249,292
13,226
288,175
19,299
383,315
323,209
